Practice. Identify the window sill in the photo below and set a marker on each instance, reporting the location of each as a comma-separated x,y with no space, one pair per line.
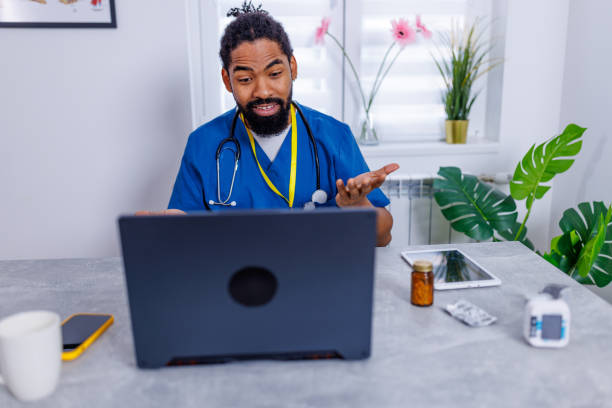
403,149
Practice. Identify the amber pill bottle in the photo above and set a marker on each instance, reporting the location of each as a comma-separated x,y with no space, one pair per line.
422,288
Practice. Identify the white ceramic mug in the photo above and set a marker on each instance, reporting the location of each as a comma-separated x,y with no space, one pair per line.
30,353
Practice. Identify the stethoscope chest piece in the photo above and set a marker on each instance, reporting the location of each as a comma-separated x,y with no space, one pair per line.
319,196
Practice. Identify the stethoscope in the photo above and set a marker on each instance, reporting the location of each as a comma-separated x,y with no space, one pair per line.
318,196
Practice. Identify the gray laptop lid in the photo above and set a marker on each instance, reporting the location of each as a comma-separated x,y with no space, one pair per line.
256,284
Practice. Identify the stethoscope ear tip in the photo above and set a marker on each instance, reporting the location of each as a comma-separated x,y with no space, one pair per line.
233,203
211,202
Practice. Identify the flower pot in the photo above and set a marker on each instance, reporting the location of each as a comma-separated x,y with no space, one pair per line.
456,131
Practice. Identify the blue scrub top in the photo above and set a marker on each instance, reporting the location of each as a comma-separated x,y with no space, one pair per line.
339,158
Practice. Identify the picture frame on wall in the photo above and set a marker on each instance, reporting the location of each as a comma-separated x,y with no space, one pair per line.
58,13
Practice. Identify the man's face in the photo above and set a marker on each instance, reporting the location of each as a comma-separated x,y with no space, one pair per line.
260,77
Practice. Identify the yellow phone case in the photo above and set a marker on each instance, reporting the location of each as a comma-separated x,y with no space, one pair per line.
72,354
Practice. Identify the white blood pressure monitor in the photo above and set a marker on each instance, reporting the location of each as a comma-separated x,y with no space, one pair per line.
547,319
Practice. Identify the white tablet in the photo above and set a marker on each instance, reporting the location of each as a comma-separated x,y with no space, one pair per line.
453,269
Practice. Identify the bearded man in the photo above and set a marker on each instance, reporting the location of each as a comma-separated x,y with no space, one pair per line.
271,152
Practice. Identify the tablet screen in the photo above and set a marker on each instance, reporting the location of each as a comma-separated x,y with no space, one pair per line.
450,266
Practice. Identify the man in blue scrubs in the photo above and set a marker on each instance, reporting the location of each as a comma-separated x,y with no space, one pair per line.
277,163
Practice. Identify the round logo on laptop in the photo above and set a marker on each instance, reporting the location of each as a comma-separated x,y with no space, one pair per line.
253,286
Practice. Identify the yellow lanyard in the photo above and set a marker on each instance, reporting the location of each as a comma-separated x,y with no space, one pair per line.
293,159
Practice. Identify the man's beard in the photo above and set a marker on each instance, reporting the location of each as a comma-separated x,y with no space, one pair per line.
267,125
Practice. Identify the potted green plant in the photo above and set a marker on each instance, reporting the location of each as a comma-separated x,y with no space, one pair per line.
461,60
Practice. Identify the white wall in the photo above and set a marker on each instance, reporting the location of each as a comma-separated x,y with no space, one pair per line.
92,124
586,101
533,75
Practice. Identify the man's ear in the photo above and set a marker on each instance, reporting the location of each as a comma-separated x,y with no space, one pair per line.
226,80
293,65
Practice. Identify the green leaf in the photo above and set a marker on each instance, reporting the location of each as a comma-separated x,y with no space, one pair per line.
564,251
567,244
554,259
472,207
591,250
584,251
543,162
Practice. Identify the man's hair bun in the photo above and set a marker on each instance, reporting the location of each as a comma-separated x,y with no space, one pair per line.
246,8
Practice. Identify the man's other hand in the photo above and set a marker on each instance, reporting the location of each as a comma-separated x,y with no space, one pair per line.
354,193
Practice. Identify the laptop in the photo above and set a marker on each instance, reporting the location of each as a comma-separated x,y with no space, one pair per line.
259,284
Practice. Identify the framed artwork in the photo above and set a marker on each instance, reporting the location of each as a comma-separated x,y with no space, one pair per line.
58,13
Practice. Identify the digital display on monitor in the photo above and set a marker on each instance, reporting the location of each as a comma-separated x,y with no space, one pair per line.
551,327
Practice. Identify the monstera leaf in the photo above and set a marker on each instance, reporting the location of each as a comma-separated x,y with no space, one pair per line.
472,207
542,163
584,250
564,251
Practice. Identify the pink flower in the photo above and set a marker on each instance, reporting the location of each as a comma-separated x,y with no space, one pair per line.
402,32
321,31
421,28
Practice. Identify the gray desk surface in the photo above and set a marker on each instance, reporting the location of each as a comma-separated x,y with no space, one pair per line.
421,357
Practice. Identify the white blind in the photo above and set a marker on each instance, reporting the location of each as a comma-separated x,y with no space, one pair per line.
409,106
319,76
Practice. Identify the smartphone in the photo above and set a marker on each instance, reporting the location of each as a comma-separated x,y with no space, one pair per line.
82,329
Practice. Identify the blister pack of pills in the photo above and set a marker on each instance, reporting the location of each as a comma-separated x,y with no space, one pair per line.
470,314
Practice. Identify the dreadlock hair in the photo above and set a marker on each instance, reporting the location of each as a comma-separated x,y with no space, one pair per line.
251,23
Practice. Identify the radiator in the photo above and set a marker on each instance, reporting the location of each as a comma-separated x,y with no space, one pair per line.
417,219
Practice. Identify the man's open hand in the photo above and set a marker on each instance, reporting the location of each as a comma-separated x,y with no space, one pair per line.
356,189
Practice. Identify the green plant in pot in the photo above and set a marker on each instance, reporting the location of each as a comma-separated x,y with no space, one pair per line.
462,60
583,250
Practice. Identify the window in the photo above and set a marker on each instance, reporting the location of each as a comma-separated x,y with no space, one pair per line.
408,107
